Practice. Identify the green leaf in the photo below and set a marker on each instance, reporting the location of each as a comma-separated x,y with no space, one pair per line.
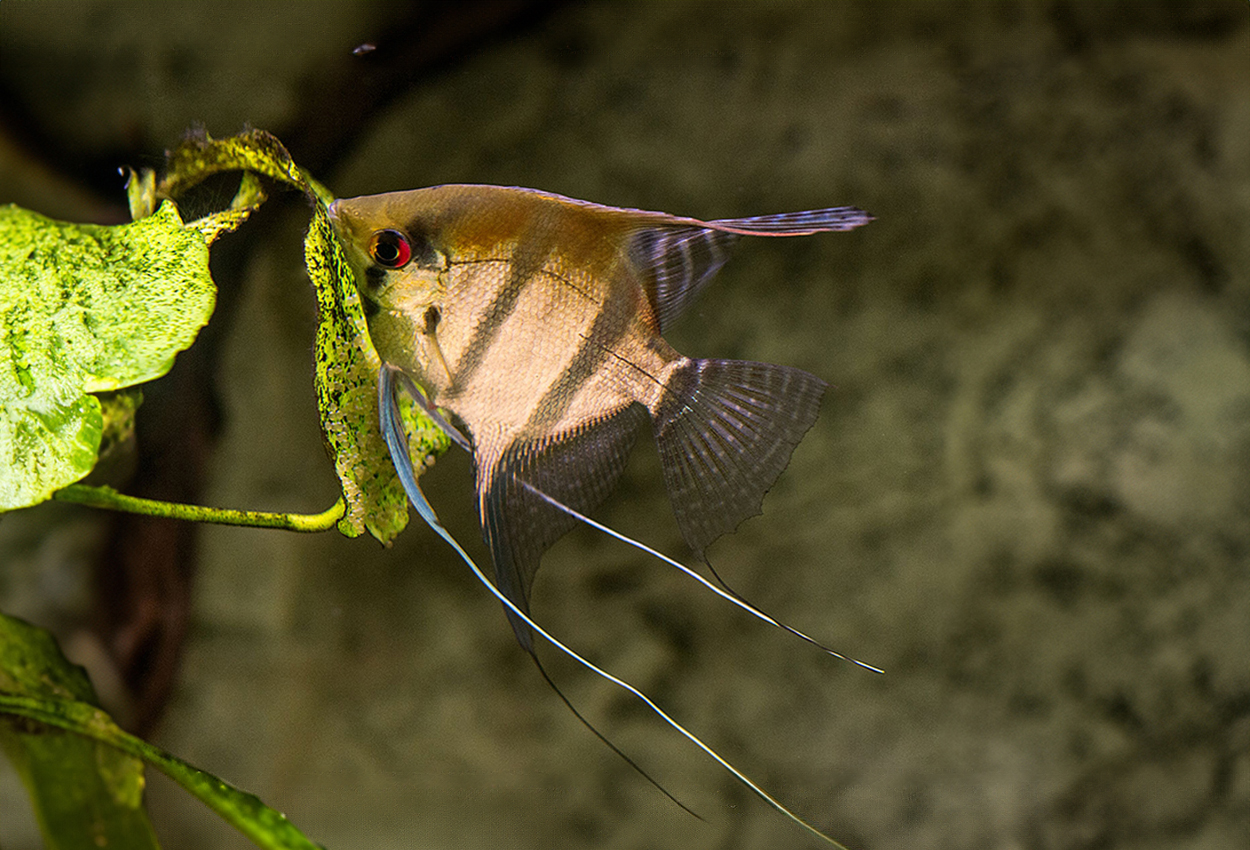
85,308
85,793
44,698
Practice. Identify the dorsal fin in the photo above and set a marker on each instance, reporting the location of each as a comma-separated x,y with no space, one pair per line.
677,262
678,256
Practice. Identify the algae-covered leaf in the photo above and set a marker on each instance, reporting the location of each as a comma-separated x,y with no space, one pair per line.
47,440
119,409
85,308
85,794
200,156
345,377
113,304
347,365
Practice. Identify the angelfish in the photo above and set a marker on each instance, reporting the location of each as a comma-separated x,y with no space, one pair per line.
536,321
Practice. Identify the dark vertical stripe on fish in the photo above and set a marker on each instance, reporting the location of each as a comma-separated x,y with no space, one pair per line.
523,268
610,326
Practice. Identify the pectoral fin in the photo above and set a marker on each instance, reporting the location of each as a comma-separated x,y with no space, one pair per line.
428,407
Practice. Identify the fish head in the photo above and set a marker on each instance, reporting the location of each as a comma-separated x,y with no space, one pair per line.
391,250
401,272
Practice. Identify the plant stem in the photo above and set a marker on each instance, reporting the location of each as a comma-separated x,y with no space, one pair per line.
107,497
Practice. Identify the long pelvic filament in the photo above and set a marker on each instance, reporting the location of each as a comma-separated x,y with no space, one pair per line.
735,599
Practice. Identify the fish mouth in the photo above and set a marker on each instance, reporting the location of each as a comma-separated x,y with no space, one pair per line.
341,222
333,211
335,218
341,225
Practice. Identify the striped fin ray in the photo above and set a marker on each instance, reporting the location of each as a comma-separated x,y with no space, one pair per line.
803,223
725,430
678,262
580,469
392,430
679,257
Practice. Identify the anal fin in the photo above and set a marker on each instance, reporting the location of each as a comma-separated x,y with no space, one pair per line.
579,469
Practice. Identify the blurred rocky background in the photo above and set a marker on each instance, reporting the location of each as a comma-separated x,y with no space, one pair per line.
1027,498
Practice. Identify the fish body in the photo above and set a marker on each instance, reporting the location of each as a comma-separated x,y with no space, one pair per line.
537,321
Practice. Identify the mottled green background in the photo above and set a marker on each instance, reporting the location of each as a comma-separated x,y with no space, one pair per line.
1027,498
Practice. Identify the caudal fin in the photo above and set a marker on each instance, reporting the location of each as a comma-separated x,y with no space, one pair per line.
725,430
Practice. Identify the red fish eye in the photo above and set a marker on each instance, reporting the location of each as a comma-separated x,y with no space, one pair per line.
390,248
